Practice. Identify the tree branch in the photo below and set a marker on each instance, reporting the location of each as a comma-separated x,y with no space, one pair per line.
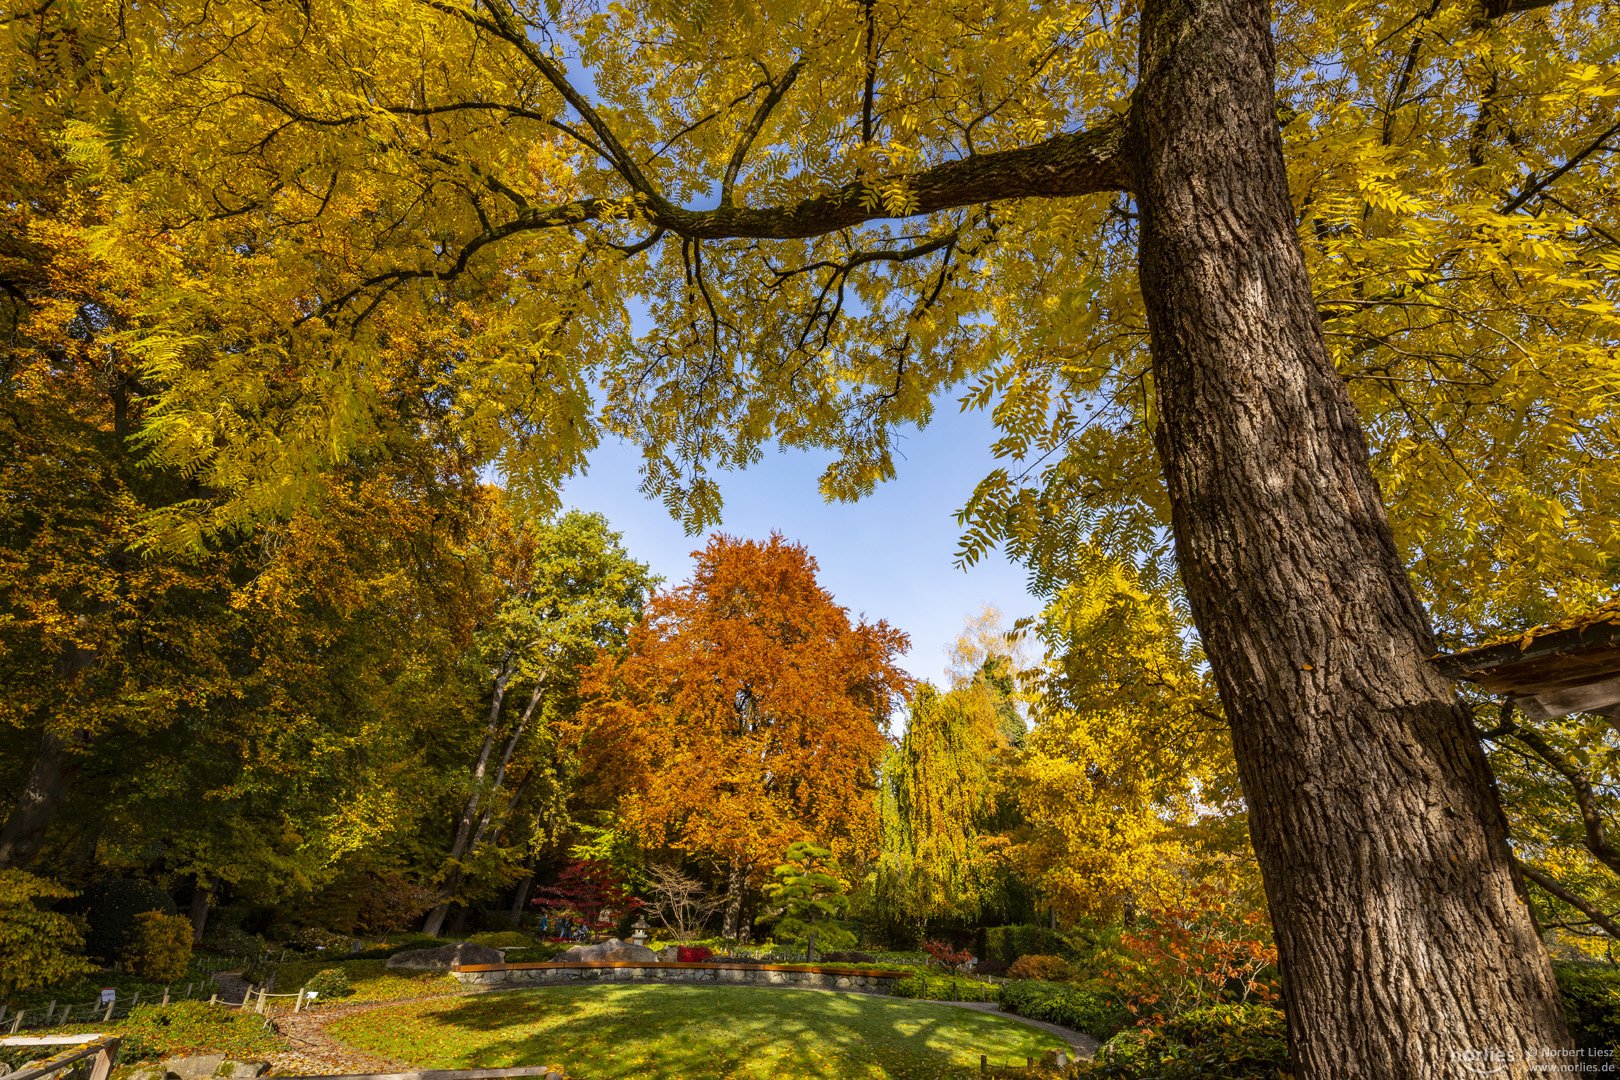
1597,841
1077,163
1535,187
773,97
1548,885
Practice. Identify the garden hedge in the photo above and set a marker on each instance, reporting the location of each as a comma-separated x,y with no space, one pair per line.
1094,1013
1233,1042
1591,994
946,988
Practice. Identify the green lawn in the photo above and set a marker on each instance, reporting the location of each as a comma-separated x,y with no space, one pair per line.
608,1031
371,979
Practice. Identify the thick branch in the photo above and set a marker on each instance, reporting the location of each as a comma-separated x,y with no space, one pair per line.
1536,186
1548,885
1078,163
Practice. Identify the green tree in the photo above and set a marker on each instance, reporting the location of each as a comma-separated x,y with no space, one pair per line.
811,900
563,592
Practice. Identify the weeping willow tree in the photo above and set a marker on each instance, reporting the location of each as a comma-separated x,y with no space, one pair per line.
941,807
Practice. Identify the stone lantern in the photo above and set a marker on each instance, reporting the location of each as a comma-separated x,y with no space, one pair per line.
638,930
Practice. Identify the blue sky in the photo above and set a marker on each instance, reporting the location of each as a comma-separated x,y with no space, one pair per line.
890,556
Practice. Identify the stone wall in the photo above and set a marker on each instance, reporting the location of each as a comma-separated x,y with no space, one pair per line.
824,978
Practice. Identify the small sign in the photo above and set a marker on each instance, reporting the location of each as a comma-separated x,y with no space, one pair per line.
108,995
312,994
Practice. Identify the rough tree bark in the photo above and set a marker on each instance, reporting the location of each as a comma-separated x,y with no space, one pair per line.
202,897
736,882
1407,949
37,803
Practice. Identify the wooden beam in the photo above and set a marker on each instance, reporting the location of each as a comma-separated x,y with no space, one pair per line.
1599,697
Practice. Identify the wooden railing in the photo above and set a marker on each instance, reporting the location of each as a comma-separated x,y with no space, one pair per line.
87,1057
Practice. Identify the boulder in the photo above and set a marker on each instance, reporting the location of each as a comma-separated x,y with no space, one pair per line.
610,951
197,1067
444,957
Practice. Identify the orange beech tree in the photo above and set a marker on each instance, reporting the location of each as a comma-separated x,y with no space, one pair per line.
747,712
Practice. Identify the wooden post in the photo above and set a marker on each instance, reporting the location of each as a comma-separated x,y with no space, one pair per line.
16,1021
189,985
260,1009
984,1064
165,995
213,999
106,1057
108,1018
136,1000
298,1002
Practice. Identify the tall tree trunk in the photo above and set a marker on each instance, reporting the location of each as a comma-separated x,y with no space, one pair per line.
1406,945
520,899
736,880
201,903
55,765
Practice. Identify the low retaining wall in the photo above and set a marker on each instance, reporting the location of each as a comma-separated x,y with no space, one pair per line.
860,980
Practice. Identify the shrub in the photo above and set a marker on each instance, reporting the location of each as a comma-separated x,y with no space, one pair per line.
1591,994
158,946
1210,948
330,983
1039,966
1234,1042
1096,1014
503,939
233,941
37,947
849,958
190,1027
946,955
398,943
313,939
946,988
538,953
111,908
1003,945
693,954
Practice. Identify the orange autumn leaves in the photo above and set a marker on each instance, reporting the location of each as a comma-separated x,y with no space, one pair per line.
746,712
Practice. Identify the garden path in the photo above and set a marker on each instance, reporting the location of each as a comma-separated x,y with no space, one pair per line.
1084,1045
315,1053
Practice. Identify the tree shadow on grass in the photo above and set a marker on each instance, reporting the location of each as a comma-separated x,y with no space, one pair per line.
614,1031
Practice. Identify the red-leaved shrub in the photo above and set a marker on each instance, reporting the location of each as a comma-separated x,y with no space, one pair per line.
693,954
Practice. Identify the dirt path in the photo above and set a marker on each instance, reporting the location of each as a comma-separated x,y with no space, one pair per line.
315,1053
232,987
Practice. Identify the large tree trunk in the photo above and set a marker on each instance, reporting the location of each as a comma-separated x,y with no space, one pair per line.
37,804
202,897
1407,948
520,899
736,884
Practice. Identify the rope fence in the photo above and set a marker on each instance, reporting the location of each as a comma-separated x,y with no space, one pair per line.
98,1011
